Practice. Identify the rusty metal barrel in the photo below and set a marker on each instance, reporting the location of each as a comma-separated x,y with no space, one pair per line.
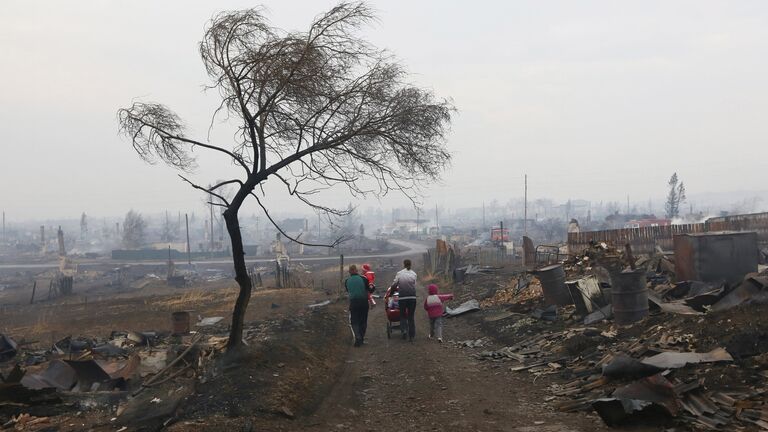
629,296
180,323
552,280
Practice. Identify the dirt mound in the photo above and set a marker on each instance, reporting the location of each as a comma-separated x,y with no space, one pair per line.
273,379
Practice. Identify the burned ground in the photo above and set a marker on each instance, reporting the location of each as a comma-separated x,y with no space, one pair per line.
298,371
284,376
568,357
505,367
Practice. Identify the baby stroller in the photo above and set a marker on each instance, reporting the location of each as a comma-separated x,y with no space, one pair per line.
392,309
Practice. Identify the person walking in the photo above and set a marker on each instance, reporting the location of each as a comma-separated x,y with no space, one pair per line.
433,304
405,284
357,288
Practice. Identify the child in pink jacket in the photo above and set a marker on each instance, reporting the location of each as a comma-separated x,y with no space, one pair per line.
434,307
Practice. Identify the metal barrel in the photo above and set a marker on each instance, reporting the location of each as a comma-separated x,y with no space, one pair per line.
180,322
552,280
629,296
459,275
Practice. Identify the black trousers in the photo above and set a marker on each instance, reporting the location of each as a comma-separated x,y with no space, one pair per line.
358,317
407,321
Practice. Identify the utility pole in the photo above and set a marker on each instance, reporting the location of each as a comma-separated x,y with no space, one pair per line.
437,224
60,237
211,205
417,222
170,263
525,210
483,216
341,273
189,246
318,226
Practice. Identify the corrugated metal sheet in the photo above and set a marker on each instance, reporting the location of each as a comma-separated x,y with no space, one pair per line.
715,256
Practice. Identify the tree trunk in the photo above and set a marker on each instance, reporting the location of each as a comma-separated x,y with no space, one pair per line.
241,276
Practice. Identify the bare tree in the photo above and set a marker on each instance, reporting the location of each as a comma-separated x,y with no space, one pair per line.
675,197
133,230
84,227
553,230
314,110
168,230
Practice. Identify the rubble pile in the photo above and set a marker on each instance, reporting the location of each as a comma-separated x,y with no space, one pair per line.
136,378
590,365
518,291
699,360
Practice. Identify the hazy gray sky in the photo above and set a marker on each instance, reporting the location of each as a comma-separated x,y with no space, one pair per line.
593,99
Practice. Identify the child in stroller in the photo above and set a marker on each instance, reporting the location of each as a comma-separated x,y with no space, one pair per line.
392,309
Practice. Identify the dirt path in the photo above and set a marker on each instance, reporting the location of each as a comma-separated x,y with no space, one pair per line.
391,384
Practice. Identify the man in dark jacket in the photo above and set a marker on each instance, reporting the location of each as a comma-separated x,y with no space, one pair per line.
358,288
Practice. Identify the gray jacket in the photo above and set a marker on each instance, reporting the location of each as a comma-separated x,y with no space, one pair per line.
405,283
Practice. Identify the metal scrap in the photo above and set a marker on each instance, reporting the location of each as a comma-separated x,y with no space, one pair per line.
750,287
90,376
625,367
319,304
586,294
8,348
676,307
58,375
673,360
210,321
467,306
605,312
644,400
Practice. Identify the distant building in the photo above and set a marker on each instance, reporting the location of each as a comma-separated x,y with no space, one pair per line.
575,208
618,220
294,225
410,226
640,223
499,234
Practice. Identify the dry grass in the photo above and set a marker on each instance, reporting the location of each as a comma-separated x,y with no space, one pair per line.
192,299
43,323
97,318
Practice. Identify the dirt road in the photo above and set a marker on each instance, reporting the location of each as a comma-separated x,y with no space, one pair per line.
410,249
391,384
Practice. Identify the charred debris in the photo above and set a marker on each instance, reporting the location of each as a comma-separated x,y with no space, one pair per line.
673,338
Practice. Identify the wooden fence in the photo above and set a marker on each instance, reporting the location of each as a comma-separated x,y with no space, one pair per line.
441,260
757,222
492,257
645,239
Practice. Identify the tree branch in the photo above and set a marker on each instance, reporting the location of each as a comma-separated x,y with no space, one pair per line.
209,191
296,240
213,188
